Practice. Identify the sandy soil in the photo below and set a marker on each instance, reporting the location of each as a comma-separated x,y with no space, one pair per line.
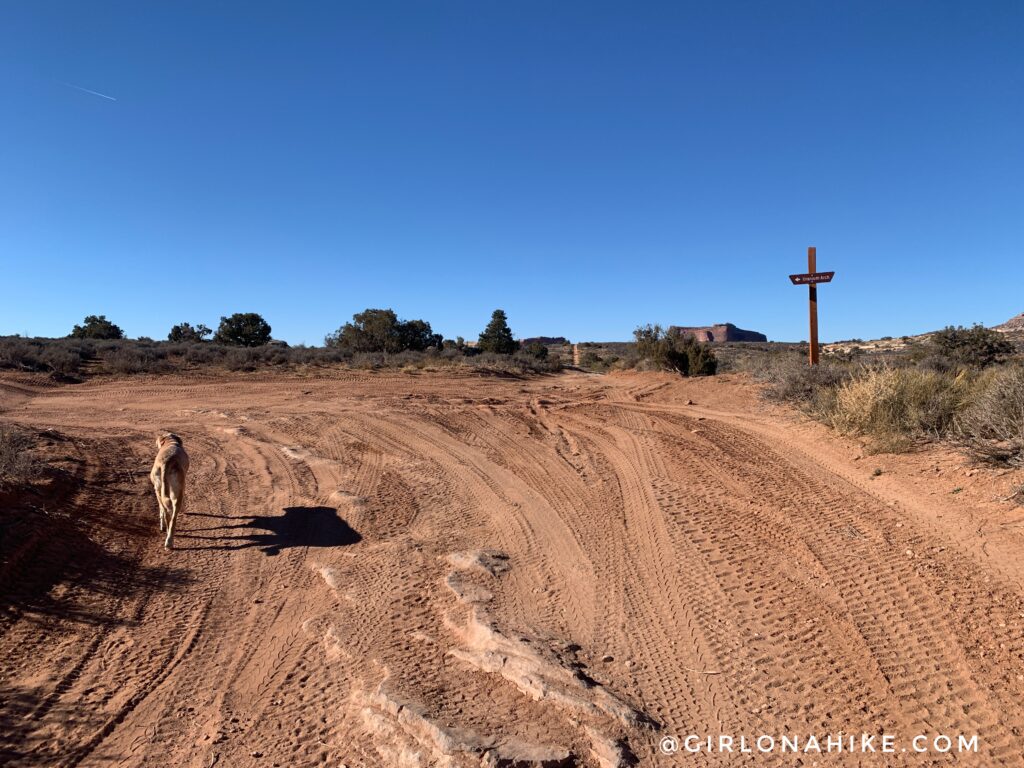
394,569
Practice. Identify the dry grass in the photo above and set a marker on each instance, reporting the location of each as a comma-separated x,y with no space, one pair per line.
992,426
16,464
894,407
789,379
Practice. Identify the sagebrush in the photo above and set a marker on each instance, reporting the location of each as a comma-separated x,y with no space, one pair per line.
992,425
16,465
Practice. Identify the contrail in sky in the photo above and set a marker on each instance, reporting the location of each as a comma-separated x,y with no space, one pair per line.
86,90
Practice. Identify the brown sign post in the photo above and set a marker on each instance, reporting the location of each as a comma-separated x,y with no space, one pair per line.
811,280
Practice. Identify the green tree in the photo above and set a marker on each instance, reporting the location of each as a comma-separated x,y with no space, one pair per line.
380,330
97,327
184,332
497,336
417,335
650,342
243,329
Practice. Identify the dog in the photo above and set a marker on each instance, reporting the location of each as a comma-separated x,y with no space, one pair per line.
168,478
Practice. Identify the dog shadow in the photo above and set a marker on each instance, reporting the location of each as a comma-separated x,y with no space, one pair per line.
297,527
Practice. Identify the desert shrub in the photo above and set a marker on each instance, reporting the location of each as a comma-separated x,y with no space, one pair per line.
592,361
326,355
16,465
16,353
187,333
96,327
497,336
517,363
992,425
369,360
625,362
930,397
302,355
431,358
675,351
135,359
976,347
127,357
240,359
269,354
651,343
938,363
21,354
203,354
788,378
895,406
243,329
536,349
63,356
550,364
701,359
407,359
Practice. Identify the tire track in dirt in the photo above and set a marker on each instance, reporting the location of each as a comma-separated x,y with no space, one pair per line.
883,600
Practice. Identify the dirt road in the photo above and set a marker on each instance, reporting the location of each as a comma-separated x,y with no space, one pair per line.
395,569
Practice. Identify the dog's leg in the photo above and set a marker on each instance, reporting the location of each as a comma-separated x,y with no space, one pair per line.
176,504
169,541
160,502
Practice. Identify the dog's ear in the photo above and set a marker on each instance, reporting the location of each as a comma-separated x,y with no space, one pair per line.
160,437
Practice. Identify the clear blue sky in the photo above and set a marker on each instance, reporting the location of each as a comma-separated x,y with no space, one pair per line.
586,166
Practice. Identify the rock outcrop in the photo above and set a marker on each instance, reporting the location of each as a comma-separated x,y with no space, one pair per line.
1013,324
718,333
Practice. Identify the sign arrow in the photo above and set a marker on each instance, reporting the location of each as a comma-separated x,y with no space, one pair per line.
811,278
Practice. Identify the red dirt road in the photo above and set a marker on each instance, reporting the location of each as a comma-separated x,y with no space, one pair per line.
394,569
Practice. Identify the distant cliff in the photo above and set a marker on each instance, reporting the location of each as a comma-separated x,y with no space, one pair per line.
718,333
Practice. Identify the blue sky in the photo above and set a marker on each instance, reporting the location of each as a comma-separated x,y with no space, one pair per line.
588,167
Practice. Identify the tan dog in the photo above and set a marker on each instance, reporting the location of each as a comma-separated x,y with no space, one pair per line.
168,477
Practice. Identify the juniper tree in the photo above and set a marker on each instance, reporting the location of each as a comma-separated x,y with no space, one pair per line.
497,336
243,329
97,327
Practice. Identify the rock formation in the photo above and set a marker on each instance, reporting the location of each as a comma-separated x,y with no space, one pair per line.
1013,324
718,333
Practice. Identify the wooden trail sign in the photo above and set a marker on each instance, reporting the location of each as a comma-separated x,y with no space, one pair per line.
811,278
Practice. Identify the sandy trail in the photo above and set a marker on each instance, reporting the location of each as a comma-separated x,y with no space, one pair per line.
434,569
